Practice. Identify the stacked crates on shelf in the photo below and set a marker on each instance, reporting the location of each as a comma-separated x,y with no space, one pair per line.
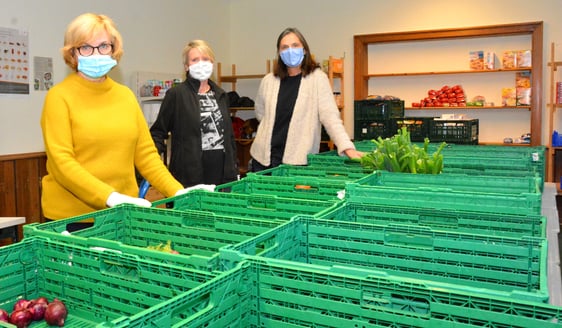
454,131
375,118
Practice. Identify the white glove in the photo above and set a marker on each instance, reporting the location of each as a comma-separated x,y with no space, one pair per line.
208,187
341,194
116,198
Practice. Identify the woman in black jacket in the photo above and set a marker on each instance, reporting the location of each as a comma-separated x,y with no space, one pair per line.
195,113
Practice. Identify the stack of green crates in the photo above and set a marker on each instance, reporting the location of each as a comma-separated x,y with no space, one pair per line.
262,292
328,244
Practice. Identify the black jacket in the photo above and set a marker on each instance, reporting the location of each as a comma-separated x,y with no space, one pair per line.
180,115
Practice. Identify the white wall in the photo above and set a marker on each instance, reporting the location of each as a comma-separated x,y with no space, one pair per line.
242,32
329,27
154,33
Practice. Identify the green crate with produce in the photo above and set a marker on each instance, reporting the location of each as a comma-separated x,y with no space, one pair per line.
291,187
263,207
96,287
187,238
339,173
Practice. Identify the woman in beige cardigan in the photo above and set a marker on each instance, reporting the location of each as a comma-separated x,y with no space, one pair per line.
292,105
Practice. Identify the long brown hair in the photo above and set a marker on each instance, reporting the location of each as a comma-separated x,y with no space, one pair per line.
308,64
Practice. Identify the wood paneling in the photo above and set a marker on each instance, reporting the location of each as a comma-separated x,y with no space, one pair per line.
20,186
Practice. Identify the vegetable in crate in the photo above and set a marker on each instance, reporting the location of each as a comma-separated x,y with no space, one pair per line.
56,313
166,248
398,154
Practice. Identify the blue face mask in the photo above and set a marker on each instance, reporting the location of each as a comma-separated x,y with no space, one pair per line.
292,57
96,66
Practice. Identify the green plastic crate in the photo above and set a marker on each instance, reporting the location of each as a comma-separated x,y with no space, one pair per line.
276,293
535,154
291,187
514,267
96,286
454,181
339,173
470,159
508,225
196,235
446,199
268,207
375,109
454,131
477,162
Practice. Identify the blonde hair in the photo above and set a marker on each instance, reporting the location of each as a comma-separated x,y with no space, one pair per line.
84,28
200,45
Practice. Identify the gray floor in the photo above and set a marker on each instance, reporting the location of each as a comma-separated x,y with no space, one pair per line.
549,210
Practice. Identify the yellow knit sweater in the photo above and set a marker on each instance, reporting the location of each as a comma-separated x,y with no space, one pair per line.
95,135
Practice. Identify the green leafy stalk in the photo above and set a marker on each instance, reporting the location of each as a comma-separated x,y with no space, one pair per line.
398,154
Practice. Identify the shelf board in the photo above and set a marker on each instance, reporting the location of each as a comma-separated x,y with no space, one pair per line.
504,144
151,98
234,78
521,69
240,108
468,108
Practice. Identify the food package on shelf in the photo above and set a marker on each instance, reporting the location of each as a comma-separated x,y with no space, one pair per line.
509,59
509,97
477,60
490,61
524,58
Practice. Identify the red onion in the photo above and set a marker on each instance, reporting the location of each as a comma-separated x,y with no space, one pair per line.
56,313
21,304
42,299
4,316
21,318
37,310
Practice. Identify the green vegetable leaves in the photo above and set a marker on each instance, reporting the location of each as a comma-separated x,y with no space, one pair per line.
398,154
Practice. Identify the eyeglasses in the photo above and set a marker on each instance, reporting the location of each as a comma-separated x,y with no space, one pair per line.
88,50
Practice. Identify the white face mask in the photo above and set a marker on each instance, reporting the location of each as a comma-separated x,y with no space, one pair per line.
201,70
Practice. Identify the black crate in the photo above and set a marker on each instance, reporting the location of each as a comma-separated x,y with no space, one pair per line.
454,131
372,109
372,129
417,126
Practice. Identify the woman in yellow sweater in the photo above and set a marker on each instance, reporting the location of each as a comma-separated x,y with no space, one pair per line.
94,131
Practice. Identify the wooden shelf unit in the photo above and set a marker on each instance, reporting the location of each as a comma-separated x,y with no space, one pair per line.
242,145
234,77
532,29
552,107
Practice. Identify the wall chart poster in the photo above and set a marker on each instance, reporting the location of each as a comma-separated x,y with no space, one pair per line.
14,61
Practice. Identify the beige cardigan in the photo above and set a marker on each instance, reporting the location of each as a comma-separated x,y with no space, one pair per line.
315,106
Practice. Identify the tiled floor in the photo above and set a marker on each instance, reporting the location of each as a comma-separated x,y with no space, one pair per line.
549,210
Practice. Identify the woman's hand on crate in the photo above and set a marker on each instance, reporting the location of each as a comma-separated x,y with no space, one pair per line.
116,198
353,153
208,187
